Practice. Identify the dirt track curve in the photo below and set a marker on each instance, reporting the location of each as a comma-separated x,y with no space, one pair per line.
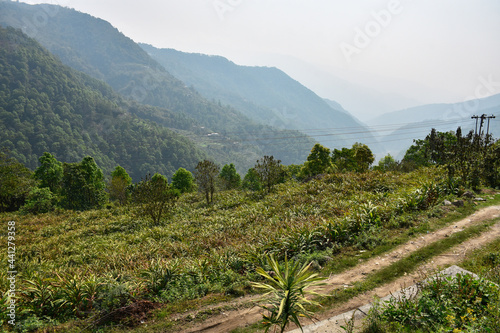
233,319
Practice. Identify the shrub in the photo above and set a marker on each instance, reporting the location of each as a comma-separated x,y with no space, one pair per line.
39,200
155,197
287,289
183,180
443,304
251,180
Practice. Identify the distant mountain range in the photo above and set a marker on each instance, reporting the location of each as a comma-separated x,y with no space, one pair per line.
47,106
398,129
266,95
93,46
220,110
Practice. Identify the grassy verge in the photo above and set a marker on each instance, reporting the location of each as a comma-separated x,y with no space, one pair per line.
456,304
408,264
96,262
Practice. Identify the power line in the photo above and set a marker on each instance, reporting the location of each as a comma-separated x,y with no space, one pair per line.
361,131
482,117
367,127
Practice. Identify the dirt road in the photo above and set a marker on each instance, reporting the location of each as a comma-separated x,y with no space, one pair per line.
230,320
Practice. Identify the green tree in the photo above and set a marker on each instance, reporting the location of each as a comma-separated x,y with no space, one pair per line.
118,184
491,165
358,158
469,158
229,177
206,178
318,161
287,289
270,171
388,163
251,181
15,183
344,159
155,197
183,180
49,173
39,200
294,170
363,157
434,149
83,185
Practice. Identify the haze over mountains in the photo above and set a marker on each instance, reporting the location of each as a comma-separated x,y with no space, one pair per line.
401,127
230,113
46,106
266,95
106,54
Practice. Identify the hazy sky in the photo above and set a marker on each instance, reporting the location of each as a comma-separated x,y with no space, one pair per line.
427,50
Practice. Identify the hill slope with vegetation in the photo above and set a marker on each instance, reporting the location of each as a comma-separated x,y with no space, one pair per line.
106,54
186,250
46,106
266,95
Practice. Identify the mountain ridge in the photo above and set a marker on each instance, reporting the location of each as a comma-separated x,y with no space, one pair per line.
264,94
132,73
46,106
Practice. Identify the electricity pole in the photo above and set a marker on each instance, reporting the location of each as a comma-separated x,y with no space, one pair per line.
482,117
489,117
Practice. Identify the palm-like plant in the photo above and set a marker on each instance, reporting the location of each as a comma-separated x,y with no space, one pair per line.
287,289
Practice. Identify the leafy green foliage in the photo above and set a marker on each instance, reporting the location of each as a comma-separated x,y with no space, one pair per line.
48,107
119,184
158,275
443,304
287,288
49,173
344,159
107,55
251,181
15,183
388,163
39,200
206,178
473,159
318,161
83,185
183,180
363,157
230,177
358,158
155,197
204,251
270,171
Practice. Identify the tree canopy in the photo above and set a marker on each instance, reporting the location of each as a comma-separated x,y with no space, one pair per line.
206,178
230,177
358,158
183,180
83,185
269,171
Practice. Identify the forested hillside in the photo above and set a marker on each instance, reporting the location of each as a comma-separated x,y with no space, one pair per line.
105,53
46,106
263,94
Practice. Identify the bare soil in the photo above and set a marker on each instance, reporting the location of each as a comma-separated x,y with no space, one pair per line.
230,320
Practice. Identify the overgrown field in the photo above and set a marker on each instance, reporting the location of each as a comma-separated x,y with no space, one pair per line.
91,265
447,304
